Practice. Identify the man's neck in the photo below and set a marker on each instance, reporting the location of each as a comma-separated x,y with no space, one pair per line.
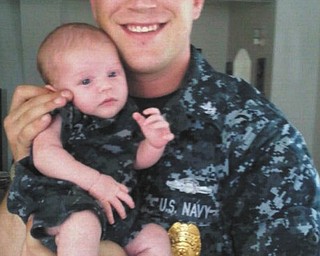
154,85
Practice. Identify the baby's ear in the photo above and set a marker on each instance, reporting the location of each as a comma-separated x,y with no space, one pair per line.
50,87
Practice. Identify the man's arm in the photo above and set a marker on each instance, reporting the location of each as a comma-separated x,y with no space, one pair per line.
275,206
28,116
12,231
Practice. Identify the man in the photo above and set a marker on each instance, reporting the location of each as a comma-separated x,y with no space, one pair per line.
237,171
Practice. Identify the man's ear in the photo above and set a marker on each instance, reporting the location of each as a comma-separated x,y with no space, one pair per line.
50,87
197,8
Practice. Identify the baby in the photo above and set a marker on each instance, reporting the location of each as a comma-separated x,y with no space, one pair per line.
89,151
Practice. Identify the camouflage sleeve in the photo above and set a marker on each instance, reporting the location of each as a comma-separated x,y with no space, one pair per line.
19,199
275,207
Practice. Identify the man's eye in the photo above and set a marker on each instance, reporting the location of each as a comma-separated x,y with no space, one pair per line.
85,81
112,74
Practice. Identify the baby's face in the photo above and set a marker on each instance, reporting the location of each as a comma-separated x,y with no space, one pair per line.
95,76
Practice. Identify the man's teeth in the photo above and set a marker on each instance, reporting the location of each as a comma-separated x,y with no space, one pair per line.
143,29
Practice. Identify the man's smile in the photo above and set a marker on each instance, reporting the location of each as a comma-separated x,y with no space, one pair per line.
142,28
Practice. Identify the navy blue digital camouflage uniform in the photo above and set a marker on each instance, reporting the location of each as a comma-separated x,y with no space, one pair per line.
89,140
236,168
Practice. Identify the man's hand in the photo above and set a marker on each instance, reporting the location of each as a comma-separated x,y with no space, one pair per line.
32,246
28,116
12,232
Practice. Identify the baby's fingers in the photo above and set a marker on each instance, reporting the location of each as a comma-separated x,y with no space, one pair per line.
138,118
108,210
168,136
125,197
156,119
118,206
151,111
123,188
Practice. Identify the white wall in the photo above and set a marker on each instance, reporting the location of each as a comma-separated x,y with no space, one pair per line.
316,147
10,58
210,33
244,18
295,83
34,28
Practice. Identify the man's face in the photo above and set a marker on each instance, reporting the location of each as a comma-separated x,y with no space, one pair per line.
150,35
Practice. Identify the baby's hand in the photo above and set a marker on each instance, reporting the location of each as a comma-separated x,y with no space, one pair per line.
154,127
111,194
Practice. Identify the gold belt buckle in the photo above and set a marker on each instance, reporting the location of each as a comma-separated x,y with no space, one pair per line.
185,239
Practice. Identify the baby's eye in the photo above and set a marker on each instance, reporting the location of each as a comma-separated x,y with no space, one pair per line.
85,81
112,74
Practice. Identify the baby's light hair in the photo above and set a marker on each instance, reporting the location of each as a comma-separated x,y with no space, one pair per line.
64,38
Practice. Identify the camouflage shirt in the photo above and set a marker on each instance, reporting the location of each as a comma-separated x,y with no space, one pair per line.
236,168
